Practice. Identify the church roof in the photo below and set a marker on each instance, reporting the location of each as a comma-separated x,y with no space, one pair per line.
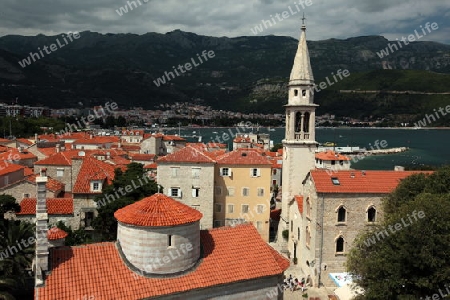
301,71
157,210
230,255
358,182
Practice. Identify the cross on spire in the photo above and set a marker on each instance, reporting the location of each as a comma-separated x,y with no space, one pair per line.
303,19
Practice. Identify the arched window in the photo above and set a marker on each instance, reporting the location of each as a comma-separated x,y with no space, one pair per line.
304,93
298,233
342,214
371,214
298,122
340,244
306,122
295,93
308,236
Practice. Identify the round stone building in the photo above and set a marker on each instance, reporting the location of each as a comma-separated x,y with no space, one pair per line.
159,235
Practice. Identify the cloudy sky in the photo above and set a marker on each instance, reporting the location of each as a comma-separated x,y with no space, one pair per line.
325,18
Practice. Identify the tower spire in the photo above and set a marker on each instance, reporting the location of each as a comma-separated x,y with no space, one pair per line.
301,71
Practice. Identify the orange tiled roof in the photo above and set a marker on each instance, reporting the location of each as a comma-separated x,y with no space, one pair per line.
141,156
187,154
55,233
20,140
57,159
299,200
92,169
10,168
244,156
95,140
55,206
27,171
353,181
13,153
172,138
151,166
157,210
230,255
52,184
331,155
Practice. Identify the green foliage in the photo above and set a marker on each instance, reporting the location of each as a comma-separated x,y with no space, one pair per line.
8,204
276,147
26,127
413,261
115,197
285,234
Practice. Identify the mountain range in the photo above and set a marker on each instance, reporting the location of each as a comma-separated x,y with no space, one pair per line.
247,73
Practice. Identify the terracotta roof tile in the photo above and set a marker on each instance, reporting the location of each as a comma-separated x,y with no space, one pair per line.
331,155
157,210
55,233
14,154
20,140
151,166
231,255
57,159
172,138
92,169
354,181
188,155
11,168
141,156
244,156
52,184
55,206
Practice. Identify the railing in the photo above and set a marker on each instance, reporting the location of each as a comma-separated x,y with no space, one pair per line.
301,136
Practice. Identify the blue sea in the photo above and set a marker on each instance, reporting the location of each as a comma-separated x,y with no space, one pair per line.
426,146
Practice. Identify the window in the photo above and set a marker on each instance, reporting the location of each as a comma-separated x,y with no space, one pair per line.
340,245
230,191
174,172
230,208
218,208
259,225
95,186
298,233
195,192
88,218
260,208
169,240
295,93
255,172
335,180
308,208
260,192
342,214
274,171
333,162
244,208
218,190
175,192
26,195
304,93
308,236
371,214
341,162
245,192
225,172
196,172
292,226
217,223
59,172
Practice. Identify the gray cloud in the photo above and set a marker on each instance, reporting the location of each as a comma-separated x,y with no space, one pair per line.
325,18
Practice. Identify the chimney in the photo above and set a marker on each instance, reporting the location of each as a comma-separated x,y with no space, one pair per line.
58,148
108,155
21,149
41,260
36,138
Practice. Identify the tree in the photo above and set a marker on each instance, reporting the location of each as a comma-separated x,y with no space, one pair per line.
74,237
8,204
114,197
7,287
276,147
406,256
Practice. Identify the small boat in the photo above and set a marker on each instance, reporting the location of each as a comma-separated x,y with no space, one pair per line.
329,144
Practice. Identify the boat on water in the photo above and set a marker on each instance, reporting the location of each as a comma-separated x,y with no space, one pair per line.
329,144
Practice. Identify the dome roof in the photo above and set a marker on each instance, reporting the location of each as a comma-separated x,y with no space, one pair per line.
157,210
55,233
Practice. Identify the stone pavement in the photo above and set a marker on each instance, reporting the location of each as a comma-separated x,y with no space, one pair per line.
313,293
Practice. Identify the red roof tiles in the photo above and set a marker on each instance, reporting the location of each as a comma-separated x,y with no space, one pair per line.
141,156
244,156
331,155
10,168
52,184
57,159
299,200
55,206
157,210
92,169
55,233
187,155
231,255
353,181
